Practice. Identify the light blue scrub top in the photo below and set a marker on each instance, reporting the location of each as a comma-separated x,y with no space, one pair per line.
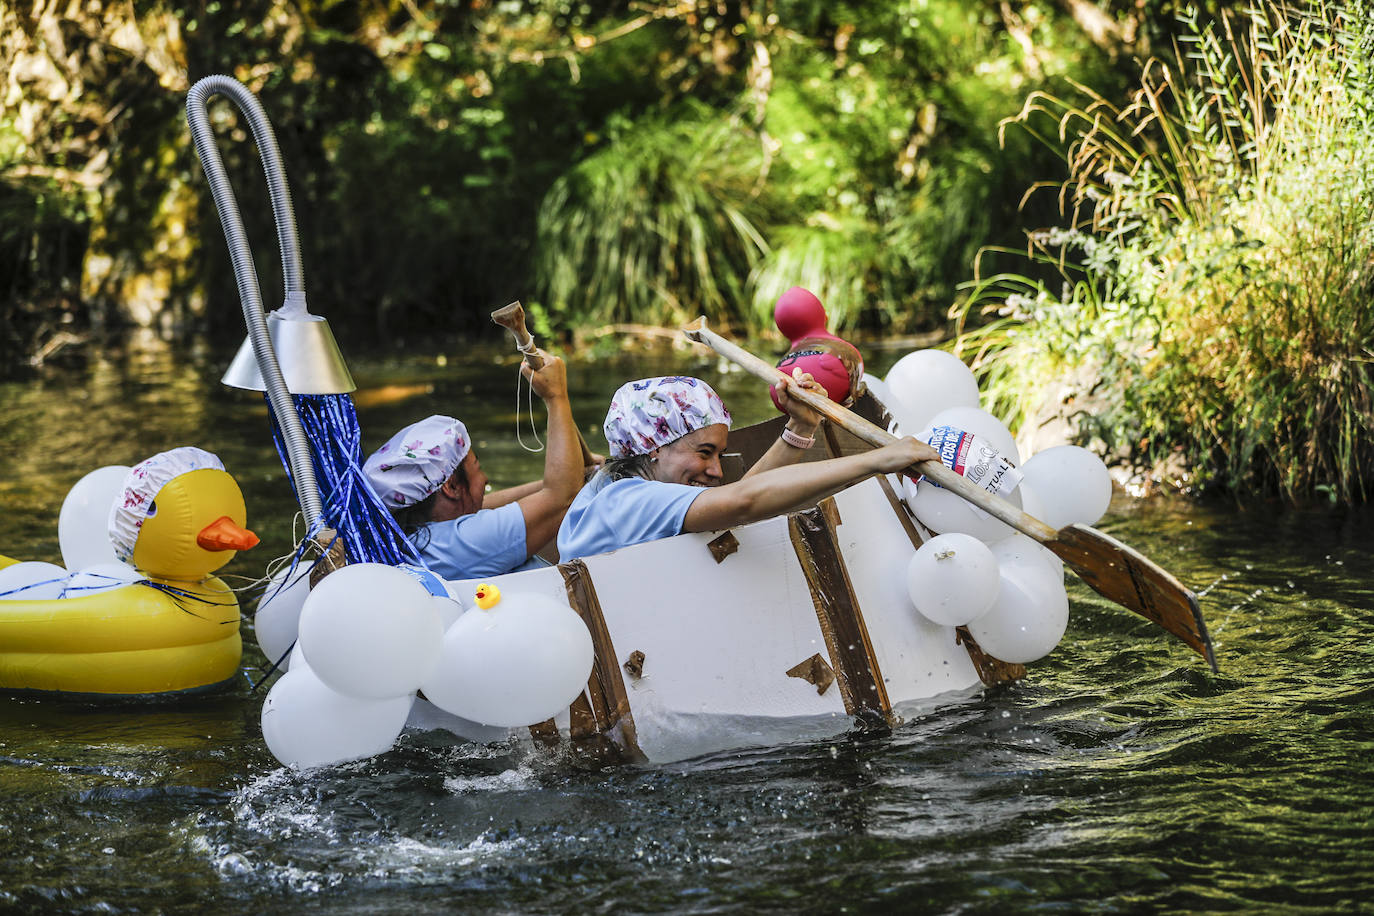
487,542
618,513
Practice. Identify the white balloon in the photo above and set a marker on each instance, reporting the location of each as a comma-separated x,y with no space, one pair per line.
1022,557
83,525
306,724
952,579
926,382
296,660
102,577
450,610
1072,483
371,631
1034,506
983,425
33,580
1031,503
947,513
519,663
1026,621
880,390
276,624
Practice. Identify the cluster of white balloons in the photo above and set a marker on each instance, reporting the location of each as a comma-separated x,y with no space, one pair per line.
369,636
89,565
978,571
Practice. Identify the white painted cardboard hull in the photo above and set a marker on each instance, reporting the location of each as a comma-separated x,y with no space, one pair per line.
719,638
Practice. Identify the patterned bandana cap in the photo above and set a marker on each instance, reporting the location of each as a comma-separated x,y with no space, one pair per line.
416,461
653,412
130,508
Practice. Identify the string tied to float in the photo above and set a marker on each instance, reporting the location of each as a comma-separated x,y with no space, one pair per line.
181,595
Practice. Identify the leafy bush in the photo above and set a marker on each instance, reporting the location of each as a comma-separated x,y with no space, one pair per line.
658,226
857,157
1219,259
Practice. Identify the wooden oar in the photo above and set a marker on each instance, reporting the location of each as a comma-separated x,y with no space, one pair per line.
1113,569
512,318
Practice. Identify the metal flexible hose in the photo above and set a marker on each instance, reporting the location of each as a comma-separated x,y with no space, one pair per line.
278,396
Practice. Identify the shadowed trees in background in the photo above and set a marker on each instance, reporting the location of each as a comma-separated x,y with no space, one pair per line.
1203,301
602,161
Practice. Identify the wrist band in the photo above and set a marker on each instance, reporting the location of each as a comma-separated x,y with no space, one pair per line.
797,441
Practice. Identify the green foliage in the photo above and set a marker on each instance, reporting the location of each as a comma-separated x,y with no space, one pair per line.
446,157
658,226
867,169
1217,270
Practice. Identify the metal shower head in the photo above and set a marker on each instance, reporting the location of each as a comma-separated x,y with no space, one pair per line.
306,351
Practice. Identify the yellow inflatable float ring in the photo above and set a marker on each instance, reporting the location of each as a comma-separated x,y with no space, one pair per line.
174,632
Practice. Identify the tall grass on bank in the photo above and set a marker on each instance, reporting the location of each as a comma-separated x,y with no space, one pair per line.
658,227
1213,284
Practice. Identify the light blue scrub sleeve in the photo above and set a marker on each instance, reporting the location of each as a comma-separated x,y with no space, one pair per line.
487,542
621,513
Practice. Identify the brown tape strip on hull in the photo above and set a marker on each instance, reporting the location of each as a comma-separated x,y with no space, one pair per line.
600,722
991,671
837,609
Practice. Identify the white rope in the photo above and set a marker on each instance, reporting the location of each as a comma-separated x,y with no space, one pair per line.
529,407
274,566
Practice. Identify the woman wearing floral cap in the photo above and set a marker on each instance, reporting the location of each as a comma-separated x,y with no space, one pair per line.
663,477
429,477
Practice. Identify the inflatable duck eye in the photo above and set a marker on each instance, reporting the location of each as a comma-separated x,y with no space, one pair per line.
152,508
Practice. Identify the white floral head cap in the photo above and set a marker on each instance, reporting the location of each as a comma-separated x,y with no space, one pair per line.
653,412
130,508
416,461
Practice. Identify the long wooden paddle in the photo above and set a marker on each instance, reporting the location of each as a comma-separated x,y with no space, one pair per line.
1113,569
512,318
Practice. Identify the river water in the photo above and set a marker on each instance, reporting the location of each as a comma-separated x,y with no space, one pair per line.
1120,776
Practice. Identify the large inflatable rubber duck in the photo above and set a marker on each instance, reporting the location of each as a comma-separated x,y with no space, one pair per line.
831,360
178,518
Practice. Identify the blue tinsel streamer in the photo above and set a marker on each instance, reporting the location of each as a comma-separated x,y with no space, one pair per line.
350,507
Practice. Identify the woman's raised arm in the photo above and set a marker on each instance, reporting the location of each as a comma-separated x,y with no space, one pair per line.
784,489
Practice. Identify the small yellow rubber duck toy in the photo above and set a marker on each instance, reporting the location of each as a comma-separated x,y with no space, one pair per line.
487,596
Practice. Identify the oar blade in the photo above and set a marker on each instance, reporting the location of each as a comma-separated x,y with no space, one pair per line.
1121,574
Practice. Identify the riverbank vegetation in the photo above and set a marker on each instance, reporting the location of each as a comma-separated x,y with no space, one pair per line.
638,163
602,161
1210,286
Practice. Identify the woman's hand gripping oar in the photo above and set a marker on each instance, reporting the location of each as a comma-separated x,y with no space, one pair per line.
512,317
1113,569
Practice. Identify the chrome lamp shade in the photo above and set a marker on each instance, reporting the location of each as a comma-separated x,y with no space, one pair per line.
309,358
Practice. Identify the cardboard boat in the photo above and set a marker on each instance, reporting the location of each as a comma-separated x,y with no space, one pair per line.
786,628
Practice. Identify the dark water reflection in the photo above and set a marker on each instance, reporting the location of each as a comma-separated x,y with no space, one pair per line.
1120,777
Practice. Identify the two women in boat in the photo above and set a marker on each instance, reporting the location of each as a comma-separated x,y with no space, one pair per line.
666,437
664,477
430,478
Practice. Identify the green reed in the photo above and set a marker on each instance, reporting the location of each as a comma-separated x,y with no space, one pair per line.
1212,284
658,227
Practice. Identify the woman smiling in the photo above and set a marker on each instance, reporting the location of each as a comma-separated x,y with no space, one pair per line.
663,478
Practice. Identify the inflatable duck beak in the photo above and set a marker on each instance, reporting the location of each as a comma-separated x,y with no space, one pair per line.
225,534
